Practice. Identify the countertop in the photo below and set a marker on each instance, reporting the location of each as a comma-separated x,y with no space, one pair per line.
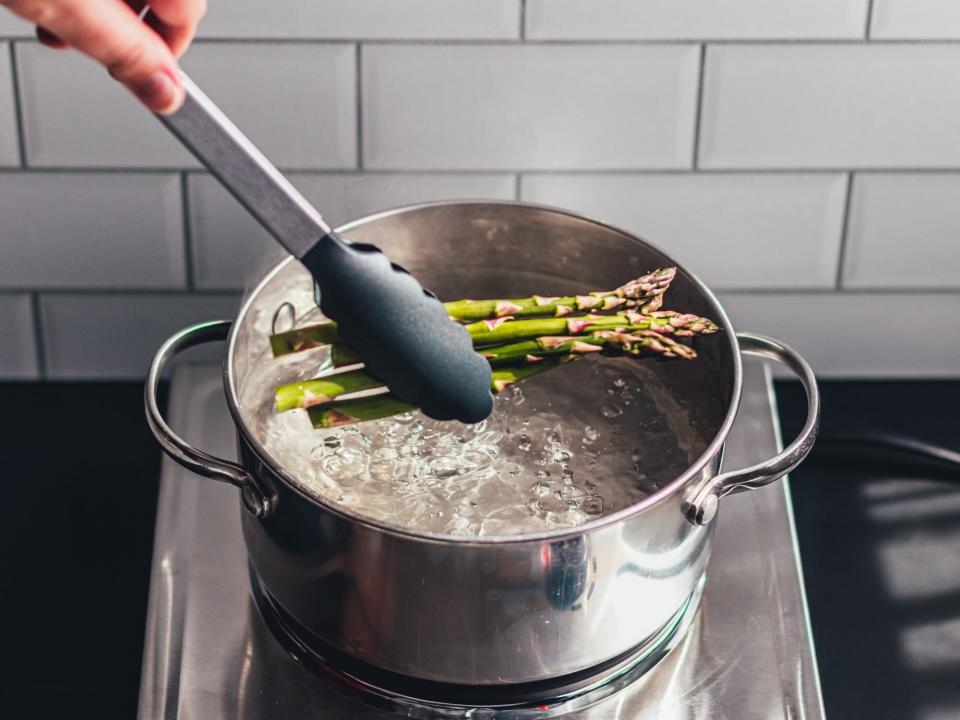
881,551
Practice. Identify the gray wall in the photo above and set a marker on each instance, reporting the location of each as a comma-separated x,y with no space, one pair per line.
802,156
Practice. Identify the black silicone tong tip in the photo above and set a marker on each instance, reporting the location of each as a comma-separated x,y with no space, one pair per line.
401,331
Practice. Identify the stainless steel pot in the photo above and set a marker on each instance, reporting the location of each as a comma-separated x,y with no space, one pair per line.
508,612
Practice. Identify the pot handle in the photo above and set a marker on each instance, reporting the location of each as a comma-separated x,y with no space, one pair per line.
701,504
258,502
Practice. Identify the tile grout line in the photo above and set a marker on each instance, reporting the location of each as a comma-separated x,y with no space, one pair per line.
586,41
38,342
615,171
697,121
844,229
187,232
866,29
358,89
125,292
523,20
237,292
517,186
18,108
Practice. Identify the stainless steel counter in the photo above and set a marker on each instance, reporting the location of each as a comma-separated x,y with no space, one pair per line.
208,655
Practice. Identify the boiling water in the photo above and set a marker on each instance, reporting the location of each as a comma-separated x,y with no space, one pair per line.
561,448
579,441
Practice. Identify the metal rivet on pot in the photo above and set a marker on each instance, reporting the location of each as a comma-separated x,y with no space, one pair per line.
707,509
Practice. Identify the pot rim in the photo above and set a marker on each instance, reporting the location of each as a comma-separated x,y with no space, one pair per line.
665,493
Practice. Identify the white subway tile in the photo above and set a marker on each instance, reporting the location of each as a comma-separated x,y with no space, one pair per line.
297,102
903,231
694,19
91,230
915,19
410,19
831,106
230,250
76,116
13,26
733,230
531,107
18,348
116,336
849,334
9,144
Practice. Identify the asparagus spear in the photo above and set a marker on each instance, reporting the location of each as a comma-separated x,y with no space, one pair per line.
323,389
345,412
625,341
541,352
500,330
662,322
645,293
495,332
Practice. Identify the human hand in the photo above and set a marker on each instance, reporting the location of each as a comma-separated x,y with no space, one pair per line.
140,54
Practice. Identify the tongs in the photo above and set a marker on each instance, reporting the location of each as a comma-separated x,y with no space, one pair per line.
399,329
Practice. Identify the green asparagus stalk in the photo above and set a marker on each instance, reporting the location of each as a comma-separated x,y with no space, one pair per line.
496,332
323,389
626,341
503,330
644,293
345,412
541,352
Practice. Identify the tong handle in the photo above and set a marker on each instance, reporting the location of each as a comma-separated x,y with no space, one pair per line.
245,171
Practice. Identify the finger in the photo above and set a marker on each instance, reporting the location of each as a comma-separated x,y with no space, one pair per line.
176,21
109,31
49,39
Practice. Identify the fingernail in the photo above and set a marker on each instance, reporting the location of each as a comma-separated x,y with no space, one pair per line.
158,92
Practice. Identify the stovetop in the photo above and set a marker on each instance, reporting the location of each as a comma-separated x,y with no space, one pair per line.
208,654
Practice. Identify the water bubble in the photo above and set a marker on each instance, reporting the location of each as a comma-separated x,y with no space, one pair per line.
543,474
593,505
590,435
540,489
387,469
572,492
620,383
524,442
611,411
458,525
447,467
